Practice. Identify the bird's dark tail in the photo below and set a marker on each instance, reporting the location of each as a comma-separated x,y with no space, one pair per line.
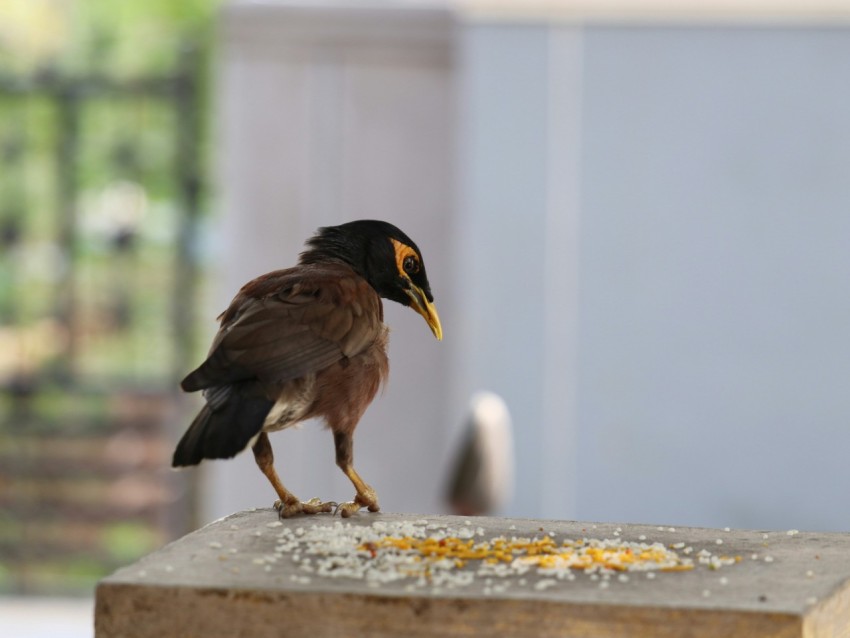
223,431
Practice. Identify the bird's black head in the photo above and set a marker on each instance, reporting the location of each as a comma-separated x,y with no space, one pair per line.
385,257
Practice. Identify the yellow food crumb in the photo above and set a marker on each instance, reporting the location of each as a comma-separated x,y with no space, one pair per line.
543,553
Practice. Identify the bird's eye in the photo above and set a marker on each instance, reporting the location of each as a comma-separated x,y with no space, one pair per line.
410,265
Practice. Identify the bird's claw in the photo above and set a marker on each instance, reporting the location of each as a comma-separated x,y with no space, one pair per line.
369,501
296,507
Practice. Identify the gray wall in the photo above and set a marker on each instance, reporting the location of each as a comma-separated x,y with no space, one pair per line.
638,236
709,323
519,97
715,263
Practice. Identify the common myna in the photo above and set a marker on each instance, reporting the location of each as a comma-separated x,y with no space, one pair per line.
304,342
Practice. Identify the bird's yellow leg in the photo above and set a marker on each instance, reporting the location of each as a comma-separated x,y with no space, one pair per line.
365,496
288,504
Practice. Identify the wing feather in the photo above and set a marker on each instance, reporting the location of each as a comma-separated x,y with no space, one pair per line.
290,323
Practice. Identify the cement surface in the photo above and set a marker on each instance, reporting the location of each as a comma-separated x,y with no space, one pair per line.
785,584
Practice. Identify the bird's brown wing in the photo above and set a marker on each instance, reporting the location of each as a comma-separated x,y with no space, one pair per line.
280,327
289,323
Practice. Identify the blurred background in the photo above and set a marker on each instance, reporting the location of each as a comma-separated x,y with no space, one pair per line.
103,155
635,216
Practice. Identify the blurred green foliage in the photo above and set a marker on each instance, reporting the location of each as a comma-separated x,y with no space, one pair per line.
75,384
123,541
121,37
124,167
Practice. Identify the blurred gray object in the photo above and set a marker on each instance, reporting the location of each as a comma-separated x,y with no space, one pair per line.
482,477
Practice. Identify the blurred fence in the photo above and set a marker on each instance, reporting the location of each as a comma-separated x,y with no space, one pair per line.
99,199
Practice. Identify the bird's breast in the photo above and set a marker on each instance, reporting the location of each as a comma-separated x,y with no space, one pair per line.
339,393
345,389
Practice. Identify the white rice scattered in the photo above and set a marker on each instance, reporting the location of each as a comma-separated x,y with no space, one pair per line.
389,552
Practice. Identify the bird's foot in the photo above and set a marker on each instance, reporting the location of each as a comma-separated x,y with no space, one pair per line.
368,498
296,507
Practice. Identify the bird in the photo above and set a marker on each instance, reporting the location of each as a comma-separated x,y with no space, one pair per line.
304,342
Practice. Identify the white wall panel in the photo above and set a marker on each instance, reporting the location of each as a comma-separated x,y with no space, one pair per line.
328,116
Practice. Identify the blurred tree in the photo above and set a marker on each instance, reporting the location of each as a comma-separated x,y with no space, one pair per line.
102,153
121,37
31,32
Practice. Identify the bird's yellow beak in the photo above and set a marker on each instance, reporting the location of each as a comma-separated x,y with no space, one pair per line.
420,303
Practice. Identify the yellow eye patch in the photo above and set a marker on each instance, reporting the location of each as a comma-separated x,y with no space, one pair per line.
406,259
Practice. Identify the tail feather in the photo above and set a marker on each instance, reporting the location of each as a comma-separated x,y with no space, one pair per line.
223,432
216,370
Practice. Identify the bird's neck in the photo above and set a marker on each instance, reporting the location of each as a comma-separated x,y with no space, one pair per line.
330,247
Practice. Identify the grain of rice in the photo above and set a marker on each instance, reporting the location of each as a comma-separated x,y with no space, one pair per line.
427,555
